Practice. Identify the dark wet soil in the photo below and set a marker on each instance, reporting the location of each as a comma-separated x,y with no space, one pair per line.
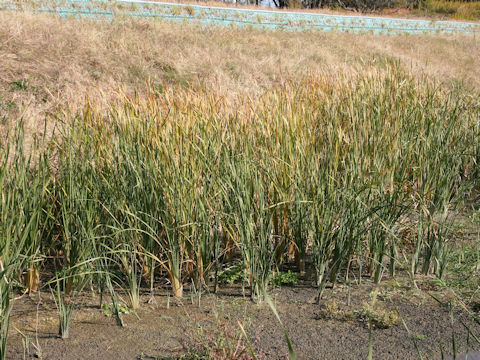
167,328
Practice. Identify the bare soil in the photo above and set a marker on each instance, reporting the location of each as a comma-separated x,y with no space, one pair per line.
169,329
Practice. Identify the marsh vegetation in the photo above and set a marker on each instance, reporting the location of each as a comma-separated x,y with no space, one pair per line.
344,178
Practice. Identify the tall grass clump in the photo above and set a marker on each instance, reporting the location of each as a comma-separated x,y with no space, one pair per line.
253,223
64,307
25,206
335,175
338,170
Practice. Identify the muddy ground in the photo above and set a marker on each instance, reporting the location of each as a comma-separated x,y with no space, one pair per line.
336,328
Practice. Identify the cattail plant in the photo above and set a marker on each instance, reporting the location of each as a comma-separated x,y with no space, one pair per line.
25,205
338,174
65,306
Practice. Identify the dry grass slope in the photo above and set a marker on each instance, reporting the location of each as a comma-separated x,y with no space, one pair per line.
48,63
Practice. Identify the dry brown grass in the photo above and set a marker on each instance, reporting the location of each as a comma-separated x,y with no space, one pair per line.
48,63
